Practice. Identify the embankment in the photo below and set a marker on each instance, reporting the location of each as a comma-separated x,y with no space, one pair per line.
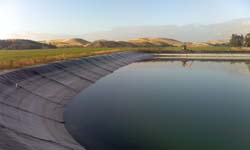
204,56
32,99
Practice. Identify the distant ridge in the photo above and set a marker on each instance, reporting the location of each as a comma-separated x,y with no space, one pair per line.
187,33
16,44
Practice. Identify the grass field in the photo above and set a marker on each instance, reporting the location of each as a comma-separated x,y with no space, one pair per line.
10,59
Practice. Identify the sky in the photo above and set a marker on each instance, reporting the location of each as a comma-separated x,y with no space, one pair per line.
74,17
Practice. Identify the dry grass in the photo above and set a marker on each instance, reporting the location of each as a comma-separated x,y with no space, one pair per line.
10,59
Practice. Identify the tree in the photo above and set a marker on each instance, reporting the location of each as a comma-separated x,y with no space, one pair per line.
247,40
237,40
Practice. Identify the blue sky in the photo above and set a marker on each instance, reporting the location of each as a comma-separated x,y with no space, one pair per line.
84,16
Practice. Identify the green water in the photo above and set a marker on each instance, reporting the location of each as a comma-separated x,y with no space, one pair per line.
163,105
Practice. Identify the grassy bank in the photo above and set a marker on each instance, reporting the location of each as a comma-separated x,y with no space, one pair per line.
10,59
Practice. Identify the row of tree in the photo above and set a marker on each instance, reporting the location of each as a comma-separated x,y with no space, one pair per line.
240,40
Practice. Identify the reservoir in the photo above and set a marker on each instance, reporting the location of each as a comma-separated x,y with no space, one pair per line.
165,105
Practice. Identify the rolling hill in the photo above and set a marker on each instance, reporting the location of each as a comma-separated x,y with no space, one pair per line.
139,42
209,43
15,44
110,44
155,42
76,42
73,42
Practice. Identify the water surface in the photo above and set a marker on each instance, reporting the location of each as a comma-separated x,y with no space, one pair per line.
165,105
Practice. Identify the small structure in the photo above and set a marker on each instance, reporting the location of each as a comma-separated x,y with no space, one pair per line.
184,47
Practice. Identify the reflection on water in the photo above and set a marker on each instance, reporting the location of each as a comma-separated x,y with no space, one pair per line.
165,105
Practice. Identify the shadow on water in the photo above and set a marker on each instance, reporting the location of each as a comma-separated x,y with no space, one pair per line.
174,105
